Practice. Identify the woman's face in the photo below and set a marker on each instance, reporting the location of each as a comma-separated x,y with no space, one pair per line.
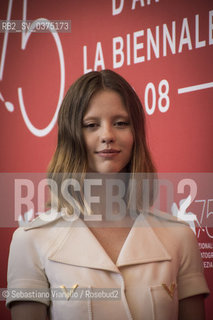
107,133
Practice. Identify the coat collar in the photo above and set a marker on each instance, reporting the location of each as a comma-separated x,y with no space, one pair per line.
81,248
142,245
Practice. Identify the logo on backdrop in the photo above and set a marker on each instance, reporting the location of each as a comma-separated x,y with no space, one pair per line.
25,35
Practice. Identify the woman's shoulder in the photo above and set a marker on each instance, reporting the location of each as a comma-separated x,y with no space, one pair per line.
39,233
171,230
166,220
45,219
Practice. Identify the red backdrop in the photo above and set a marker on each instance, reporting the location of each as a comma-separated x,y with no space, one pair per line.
164,49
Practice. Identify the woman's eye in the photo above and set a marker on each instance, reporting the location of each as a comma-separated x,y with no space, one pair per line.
90,125
122,123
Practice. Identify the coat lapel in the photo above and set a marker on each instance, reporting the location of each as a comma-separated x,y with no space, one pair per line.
142,245
79,247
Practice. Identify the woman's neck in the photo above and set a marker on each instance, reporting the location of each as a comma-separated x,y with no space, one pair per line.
106,199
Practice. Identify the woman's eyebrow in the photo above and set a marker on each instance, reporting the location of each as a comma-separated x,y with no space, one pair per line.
119,115
90,118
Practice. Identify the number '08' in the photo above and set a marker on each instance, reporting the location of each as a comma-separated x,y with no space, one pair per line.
163,100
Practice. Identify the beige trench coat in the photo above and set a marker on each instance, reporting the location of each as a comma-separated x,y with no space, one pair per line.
158,264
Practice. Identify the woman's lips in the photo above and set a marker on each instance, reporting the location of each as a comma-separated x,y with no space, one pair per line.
108,153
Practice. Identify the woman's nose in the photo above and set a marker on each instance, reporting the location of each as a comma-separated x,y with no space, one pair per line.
107,135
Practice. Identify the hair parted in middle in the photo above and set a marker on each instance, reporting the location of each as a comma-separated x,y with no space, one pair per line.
70,156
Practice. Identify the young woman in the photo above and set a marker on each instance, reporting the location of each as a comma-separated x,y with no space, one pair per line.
149,268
